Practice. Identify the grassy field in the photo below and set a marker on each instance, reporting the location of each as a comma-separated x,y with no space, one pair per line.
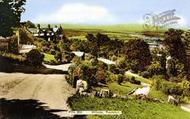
139,78
131,109
117,27
123,89
48,57
122,28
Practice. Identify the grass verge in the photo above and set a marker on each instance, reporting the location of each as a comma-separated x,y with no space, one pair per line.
131,109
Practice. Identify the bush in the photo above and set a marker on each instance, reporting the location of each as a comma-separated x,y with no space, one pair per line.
134,81
155,69
101,75
120,79
186,88
168,88
35,58
112,77
146,74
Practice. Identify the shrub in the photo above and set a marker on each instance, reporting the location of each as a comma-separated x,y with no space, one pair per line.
35,58
186,88
134,81
155,69
112,77
168,88
146,74
120,79
101,75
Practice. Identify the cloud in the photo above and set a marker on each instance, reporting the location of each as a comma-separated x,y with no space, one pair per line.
77,13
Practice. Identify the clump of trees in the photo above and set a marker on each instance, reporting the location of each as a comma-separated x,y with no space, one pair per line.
102,45
175,46
10,12
138,55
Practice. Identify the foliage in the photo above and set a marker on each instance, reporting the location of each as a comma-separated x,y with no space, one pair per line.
137,54
25,36
170,88
146,74
134,81
29,24
13,57
101,75
35,58
120,79
10,12
155,69
13,45
175,68
48,57
175,46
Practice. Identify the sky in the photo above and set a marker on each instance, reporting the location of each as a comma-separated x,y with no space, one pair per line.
102,11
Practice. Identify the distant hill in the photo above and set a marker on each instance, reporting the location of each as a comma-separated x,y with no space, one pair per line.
113,28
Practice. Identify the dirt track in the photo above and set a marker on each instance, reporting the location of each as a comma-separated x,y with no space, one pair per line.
52,90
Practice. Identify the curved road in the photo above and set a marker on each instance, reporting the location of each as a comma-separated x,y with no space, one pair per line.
52,90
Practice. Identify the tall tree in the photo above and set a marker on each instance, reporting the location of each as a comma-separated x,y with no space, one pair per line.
175,46
10,15
137,54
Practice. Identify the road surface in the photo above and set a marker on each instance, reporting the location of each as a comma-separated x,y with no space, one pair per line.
185,107
52,90
63,67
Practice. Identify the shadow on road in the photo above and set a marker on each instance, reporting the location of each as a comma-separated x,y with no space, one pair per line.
8,65
25,109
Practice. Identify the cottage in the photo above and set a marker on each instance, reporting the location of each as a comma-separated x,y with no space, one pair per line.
49,34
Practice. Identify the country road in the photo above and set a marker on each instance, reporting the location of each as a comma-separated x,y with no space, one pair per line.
51,90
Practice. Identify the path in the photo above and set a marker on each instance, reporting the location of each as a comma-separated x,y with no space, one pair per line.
63,67
52,90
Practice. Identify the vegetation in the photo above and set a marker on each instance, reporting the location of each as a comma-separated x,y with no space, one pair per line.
49,57
176,48
137,54
10,12
123,89
35,58
131,108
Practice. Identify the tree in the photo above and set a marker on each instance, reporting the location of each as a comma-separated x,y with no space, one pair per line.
93,46
29,24
10,15
175,46
138,55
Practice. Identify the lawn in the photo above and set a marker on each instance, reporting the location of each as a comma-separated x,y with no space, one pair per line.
49,57
131,109
139,78
123,89
157,94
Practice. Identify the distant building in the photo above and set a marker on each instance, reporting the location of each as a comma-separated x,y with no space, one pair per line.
49,34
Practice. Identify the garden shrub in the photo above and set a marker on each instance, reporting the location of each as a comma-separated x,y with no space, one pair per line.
146,74
170,88
112,77
120,79
134,81
35,58
101,75
155,69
